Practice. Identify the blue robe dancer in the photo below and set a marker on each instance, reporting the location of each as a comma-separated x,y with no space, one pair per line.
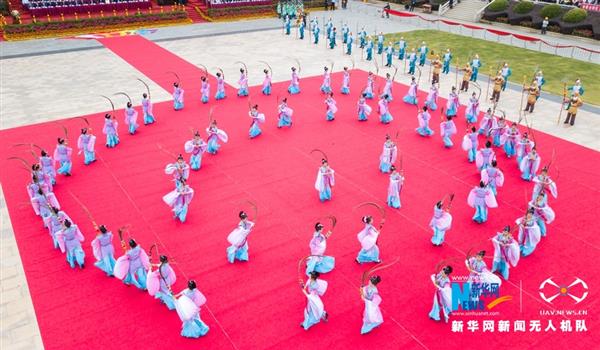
369,47
314,311
326,86
411,94
285,115
442,299
345,90
204,89
401,48
147,109
529,233
243,83
363,38
294,87
318,261
104,251
288,25
506,252
257,119
481,198
62,155
332,39
372,316
177,97
470,144
475,65
367,237
220,94
325,181
301,30
424,117
389,54
412,62
85,144
196,147
447,61
380,39
345,33
69,241
349,43
132,268
187,304
506,72
440,223
238,238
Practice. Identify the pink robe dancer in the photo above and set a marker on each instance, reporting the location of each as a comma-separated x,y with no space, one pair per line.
432,96
104,251
47,165
529,233
220,94
529,165
160,281
442,299
147,110
62,155
497,131
110,130
485,156
367,238
364,110
133,266
331,107
266,86
411,95
493,177
243,83
542,213
452,104
470,143
388,155
180,171
394,189
440,223
523,147
472,110
131,118
204,90
424,117
447,130
509,139
506,252
294,87
214,136
238,238
346,82
488,123
179,199
196,147
543,184
285,115
177,97
325,181
187,304
479,273
481,198
69,241
85,144
372,316
318,261
314,311
384,113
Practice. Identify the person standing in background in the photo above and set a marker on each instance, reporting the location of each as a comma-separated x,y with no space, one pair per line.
545,25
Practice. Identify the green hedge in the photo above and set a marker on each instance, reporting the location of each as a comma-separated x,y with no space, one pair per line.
498,5
523,7
550,11
575,15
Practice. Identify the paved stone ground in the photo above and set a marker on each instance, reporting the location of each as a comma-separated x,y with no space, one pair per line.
53,79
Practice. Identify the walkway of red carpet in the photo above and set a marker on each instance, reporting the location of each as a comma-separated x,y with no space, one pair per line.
258,305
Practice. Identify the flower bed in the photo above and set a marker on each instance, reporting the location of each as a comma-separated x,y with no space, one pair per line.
242,11
566,19
87,25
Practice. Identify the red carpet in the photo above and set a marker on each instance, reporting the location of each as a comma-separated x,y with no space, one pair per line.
258,305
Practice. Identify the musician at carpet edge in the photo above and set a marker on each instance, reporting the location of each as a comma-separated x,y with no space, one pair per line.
192,325
110,129
196,148
220,94
214,135
362,37
131,116
318,261
380,40
498,83
447,130
372,316
332,38
177,97
369,46
485,156
440,223
388,155
367,238
325,181
395,188
204,89
533,93
412,61
481,198
179,200
437,66
573,105
470,143
243,83
411,95
424,117
331,107
314,311
294,87
238,238
506,252
506,72
285,114
493,177
160,281
452,104
542,212
147,109
388,87
349,43
257,119
180,171
369,90
472,110
464,86
364,110
475,65
62,155
104,251
401,48
266,86
442,299
326,86
447,61
431,101
288,25
384,112
345,90
389,54
85,144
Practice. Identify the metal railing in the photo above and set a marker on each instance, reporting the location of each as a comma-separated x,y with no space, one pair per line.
445,7
479,13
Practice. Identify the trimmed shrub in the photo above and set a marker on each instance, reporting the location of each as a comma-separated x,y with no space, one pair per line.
574,15
498,5
550,11
586,33
502,19
523,7
555,29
